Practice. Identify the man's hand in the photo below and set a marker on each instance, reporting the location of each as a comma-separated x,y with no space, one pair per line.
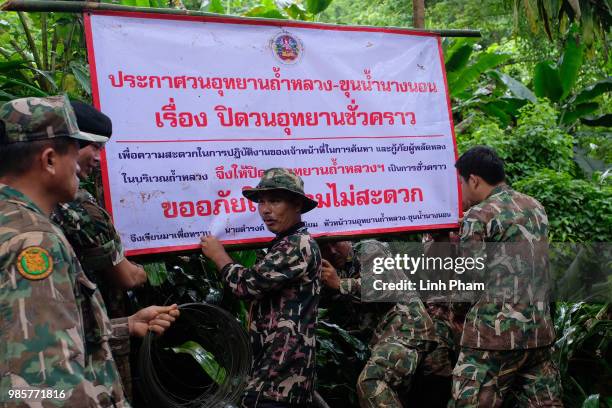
213,249
329,276
154,318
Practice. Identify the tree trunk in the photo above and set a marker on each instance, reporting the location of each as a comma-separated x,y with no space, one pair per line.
418,13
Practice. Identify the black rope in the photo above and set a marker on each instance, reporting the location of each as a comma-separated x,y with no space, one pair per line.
219,333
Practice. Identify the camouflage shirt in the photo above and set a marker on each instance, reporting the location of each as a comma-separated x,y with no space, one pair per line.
409,324
284,291
90,231
514,311
54,331
406,322
347,308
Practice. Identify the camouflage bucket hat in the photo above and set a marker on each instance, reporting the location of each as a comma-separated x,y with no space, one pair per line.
281,179
32,119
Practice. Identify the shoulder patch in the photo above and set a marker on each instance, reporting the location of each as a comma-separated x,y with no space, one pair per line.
35,263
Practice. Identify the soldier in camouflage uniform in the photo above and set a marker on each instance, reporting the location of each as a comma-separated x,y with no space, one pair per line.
405,337
54,332
283,289
402,340
91,233
341,277
508,331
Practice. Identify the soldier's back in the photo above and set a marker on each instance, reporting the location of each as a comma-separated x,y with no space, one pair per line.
510,228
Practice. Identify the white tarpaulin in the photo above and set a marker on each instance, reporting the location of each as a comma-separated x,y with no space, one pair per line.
201,106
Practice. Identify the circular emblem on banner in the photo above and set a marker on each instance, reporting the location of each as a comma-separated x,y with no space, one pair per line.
287,48
35,263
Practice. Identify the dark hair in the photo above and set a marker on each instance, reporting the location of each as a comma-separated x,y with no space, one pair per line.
16,158
484,162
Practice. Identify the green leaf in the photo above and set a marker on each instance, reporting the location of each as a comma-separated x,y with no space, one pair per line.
245,258
264,12
579,111
494,109
9,66
601,120
505,109
296,12
317,6
571,61
215,6
469,75
515,87
459,58
5,96
156,273
204,358
594,90
35,91
591,402
81,73
547,81
135,3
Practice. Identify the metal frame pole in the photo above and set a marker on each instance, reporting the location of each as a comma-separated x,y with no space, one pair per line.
85,6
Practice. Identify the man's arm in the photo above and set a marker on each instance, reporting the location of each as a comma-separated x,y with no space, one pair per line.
127,275
284,262
122,272
346,286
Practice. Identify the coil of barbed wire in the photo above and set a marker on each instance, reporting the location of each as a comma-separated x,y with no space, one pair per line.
220,335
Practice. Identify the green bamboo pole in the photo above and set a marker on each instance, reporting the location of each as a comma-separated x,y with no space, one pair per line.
84,6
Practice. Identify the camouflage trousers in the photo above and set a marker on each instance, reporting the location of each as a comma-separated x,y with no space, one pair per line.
441,360
486,378
391,367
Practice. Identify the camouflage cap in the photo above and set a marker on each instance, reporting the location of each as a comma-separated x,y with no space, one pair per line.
32,119
281,179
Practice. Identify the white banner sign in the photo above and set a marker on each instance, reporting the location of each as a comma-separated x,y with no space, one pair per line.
202,106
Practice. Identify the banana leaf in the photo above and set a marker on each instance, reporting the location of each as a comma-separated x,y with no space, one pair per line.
204,358
571,61
547,81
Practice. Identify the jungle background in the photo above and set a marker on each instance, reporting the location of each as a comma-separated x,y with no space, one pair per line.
536,86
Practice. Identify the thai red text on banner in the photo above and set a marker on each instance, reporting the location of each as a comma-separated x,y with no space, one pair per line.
201,106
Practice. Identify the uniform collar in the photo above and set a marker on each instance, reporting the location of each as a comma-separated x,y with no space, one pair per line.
300,226
9,194
498,189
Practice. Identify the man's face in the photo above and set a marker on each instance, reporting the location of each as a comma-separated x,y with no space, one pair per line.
89,159
278,211
65,179
336,253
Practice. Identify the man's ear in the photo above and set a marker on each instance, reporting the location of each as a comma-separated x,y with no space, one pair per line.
48,160
474,181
